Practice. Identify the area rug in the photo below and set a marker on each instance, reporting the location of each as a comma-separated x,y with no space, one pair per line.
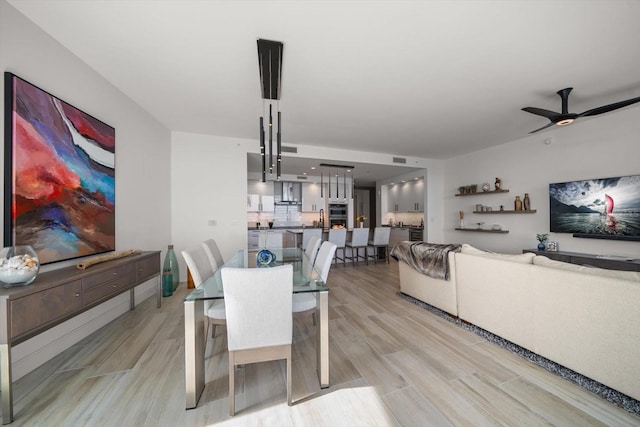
607,393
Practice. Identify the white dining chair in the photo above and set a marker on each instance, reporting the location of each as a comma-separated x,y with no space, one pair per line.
213,253
311,250
200,267
380,240
307,300
338,236
258,331
359,240
308,234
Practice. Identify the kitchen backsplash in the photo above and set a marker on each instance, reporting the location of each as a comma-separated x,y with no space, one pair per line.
407,218
284,216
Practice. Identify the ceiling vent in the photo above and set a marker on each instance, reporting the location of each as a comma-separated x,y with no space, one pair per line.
286,149
301,177
400,160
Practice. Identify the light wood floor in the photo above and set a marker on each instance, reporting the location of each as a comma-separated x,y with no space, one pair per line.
392,364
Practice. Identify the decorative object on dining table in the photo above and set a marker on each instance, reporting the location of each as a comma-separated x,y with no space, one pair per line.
265,258
542,238
170,266
498,184
19,265
517,204
552,246
526,202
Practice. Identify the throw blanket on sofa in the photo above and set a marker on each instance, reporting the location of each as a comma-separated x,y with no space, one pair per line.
428,258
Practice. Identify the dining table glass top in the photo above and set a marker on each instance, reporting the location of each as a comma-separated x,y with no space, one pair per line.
305,277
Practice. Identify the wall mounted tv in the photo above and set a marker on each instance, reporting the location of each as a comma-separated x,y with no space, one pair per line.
605,208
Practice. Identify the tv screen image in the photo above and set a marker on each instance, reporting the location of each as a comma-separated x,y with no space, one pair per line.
606,208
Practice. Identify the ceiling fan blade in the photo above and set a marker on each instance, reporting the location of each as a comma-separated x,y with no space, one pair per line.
551,115
610,107
543,127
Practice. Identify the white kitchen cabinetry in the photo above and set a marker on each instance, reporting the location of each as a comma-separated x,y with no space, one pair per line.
260,196
406,197
312,197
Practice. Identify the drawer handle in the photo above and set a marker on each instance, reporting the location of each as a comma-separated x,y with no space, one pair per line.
77,294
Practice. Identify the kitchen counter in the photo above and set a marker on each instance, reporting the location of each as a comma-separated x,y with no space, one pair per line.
405,227
284,227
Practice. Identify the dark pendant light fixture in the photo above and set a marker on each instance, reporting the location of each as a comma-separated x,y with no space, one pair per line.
347,168
270,64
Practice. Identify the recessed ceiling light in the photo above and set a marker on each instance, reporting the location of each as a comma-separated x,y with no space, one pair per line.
304,173
313,167
404,180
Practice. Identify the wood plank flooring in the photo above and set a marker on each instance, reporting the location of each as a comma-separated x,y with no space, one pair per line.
392,364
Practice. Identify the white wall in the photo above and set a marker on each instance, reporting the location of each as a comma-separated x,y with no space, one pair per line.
598,147
142,166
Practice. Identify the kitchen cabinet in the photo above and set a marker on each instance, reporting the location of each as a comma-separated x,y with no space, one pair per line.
313,198
260,196
398,235
406,197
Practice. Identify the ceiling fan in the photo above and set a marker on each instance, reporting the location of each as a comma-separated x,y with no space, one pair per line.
565,118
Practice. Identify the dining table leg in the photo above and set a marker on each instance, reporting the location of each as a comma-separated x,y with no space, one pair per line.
194,342
322,333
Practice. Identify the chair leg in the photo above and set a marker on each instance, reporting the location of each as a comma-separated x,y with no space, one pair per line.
289,377
232,381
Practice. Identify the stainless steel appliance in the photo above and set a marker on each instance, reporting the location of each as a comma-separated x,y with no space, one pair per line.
338,214
415,234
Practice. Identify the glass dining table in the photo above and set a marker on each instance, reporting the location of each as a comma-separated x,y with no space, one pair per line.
305,279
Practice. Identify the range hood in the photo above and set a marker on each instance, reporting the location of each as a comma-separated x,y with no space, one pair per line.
288,193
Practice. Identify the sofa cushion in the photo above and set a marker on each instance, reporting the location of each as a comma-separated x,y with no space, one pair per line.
633,276
526,258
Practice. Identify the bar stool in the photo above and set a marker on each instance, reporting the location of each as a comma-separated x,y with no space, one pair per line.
338,236
380,240
359,240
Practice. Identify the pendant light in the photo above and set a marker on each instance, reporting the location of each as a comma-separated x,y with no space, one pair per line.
270,65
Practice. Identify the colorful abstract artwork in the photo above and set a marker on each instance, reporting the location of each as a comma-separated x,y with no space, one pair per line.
59,175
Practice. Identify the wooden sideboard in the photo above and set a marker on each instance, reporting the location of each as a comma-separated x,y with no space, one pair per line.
57,296
600,261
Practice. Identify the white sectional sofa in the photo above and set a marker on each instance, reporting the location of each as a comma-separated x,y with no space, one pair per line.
586,319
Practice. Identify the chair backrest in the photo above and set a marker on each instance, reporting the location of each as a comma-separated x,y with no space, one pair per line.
213,253
308,234
312,248
338,236
381,236
270,239
324,259
198,264
258,305
360,237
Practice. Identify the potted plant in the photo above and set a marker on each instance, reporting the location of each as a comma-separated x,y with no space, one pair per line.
474,188
542,238
461,189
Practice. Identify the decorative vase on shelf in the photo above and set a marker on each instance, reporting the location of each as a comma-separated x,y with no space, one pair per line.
526,202
170,266
541,246
19,265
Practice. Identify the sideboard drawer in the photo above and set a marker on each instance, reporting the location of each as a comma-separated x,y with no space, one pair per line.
148,267
33,311
98,279
96,293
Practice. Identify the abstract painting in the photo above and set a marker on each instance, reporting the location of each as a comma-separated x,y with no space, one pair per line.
59,175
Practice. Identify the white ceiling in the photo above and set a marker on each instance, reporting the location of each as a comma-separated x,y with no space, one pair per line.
430,79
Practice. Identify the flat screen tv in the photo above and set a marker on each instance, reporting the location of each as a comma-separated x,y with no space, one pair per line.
605,208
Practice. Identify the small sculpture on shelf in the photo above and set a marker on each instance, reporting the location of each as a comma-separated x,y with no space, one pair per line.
461,219
486,187
526,202
498,184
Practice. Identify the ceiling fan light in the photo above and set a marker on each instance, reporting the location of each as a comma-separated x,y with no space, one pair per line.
565,122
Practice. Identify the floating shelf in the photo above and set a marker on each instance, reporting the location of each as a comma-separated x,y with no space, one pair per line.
482,230
530,211
482,192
